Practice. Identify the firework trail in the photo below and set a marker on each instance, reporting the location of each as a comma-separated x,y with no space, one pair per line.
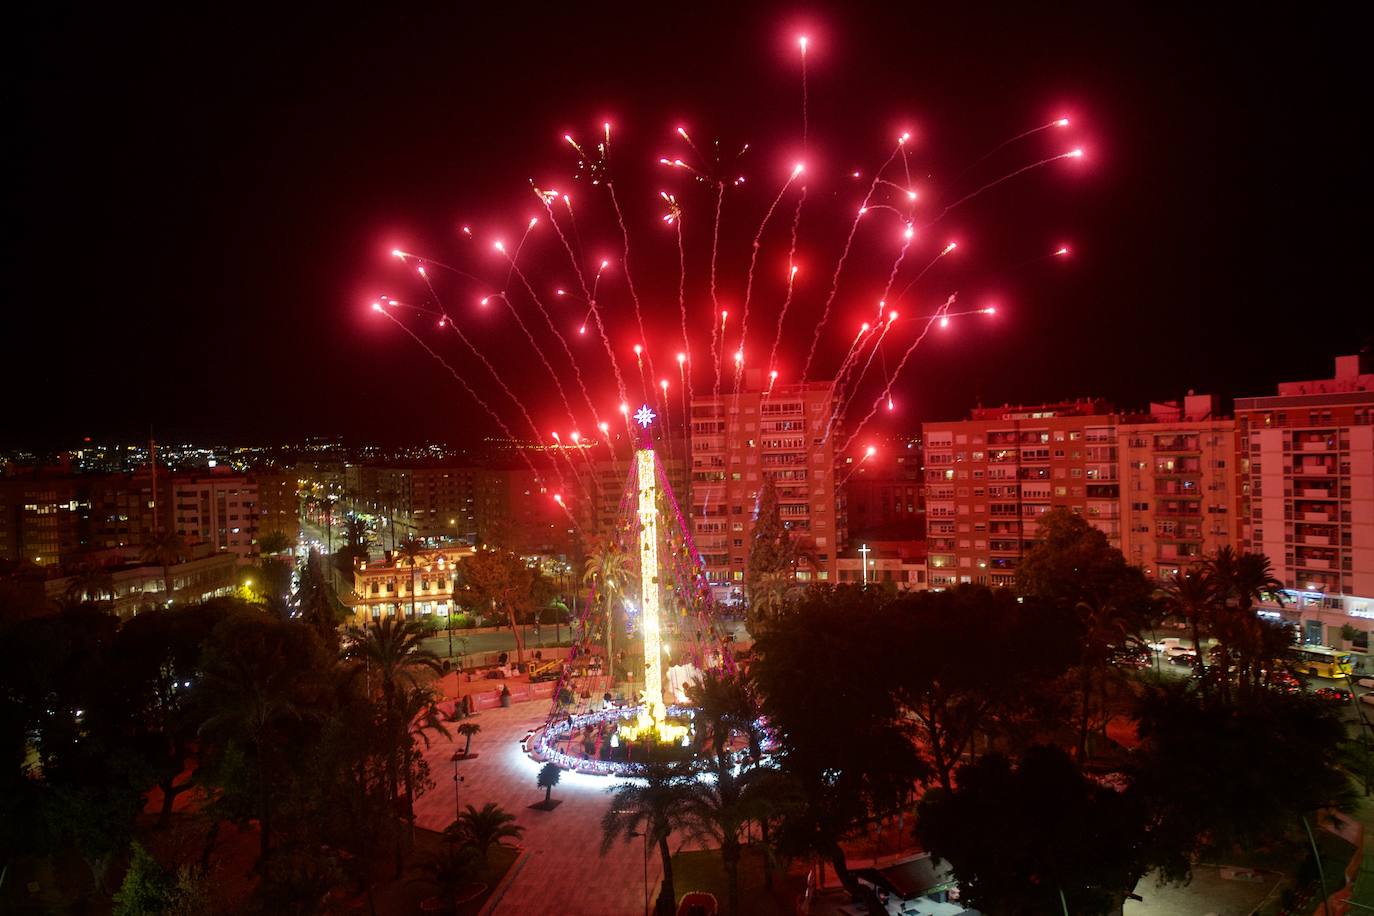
1071,154
577,370
844,254
588,294
753,262
877,346
944,251
1061,122
715,301
675,217
518,248
930,322
462,381
791,279
563,395
447,321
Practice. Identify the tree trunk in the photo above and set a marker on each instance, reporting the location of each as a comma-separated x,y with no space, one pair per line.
548,793
1086,690
729,854
667,896
1197,648
210,837
169,795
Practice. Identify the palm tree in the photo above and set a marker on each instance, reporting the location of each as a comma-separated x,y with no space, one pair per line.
165,550
609,565
1241,580
91,583
412,551
391,655
388,498
329,502
467,730
1190,595
393,652
725,705
419,715
485,828
455,869
663,802
253,686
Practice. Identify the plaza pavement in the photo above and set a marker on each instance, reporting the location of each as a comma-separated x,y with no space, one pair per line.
562,871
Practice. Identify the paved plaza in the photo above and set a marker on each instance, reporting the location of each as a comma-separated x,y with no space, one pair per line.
562,871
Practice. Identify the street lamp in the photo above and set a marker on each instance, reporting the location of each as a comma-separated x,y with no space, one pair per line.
645,835
865,550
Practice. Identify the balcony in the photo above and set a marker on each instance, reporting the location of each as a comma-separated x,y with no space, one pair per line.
1323,444
1315,470
1305,563
1317,516
1315,540
1309,493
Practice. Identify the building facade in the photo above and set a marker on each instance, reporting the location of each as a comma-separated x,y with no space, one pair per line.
989,478
901,564
884,495
383,589
218,507
786,434
1308,453
1180,486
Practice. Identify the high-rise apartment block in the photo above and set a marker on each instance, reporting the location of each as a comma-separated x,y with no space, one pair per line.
219,508
1180,486
1309,506
786,434
989,478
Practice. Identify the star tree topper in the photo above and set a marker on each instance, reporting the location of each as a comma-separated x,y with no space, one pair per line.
644,416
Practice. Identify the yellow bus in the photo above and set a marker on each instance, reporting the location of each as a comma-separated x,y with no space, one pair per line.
1322,661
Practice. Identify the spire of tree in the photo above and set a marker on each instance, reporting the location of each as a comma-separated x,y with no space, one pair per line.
769,549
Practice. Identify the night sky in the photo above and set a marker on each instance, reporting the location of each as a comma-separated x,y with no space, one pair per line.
203,203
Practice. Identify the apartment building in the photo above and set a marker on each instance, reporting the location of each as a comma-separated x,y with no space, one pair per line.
278,503
43,518
1180,485
1308,453
218,507
989,478
787,434
598,499
884,494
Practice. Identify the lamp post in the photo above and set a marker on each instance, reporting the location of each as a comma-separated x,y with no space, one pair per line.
865,550
645,835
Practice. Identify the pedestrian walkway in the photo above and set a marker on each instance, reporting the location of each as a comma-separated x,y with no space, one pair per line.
563,872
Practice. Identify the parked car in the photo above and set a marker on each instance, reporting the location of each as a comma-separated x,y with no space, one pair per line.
1285,682
1186,658
1332,694
1132,656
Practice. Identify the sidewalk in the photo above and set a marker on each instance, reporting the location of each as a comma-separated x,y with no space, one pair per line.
564,872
